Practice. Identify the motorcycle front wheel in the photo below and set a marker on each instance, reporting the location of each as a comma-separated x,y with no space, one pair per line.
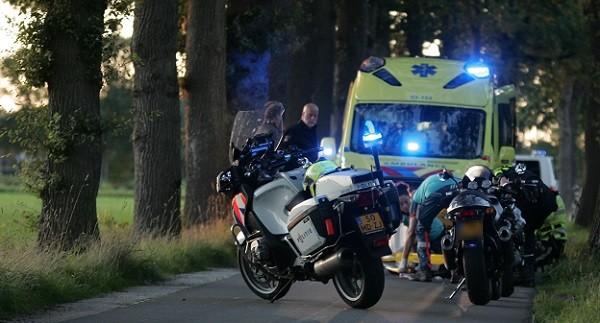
361,284
261,283
478,285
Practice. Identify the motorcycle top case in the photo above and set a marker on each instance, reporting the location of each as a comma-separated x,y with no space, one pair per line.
308,225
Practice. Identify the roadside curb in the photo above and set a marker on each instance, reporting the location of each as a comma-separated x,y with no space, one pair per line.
129,296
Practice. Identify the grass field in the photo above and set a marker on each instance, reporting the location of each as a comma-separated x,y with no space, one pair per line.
19,212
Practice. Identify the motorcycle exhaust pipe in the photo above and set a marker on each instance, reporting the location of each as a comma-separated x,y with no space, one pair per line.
329,266
447,242
504,234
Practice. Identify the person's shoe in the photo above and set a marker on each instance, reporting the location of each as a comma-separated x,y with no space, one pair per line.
424,275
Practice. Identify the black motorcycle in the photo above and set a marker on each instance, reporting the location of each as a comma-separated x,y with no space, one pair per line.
479,246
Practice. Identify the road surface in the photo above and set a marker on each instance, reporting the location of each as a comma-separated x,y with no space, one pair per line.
227,299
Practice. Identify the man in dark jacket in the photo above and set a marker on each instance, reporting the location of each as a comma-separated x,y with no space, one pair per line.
303,135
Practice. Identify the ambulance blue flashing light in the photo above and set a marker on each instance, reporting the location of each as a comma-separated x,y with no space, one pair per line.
412,146
478,70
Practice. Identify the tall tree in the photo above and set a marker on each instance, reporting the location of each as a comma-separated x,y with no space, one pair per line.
378,38
589,203
206,117
311,70
74,30
156,130
592,133
351,49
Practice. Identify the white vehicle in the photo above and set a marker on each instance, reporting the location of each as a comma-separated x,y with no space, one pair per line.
296,221
541,164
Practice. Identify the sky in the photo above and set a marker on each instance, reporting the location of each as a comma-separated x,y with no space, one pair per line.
8,38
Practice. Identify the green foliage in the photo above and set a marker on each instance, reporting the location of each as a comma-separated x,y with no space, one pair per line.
261,28
46,137
570,291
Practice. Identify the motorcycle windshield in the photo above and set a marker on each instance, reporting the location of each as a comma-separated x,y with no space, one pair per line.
468,199
244,124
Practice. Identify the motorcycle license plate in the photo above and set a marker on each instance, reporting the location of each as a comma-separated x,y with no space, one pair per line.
369,222
470,229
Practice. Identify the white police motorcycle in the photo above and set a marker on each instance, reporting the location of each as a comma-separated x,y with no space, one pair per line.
295,221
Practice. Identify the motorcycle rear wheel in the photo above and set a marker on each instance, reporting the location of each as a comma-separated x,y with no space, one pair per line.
361,285
478,284
261,283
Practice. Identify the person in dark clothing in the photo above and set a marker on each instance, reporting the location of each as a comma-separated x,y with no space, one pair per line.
303,135
536,201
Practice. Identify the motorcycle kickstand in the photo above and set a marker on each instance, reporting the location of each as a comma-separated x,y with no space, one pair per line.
457,289
280,290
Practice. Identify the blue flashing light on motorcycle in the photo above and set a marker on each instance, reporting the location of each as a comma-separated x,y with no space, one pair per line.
371,136
478,70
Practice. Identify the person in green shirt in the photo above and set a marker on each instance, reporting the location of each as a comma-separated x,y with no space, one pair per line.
410,220
433,195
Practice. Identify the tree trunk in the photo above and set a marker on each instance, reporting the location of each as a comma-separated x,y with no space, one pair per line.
414,28
587,212
378,42
69,198
594,239
352,17
156,129
281,56
567,116
311,72
592,160
207,121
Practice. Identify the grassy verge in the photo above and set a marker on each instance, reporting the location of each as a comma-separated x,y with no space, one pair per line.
31,281
570,291
19,213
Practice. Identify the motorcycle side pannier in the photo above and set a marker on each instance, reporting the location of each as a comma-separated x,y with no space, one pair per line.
313,224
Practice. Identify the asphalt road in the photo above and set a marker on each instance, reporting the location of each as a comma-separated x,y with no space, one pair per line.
229,300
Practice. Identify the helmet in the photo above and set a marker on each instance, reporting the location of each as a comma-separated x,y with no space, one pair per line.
480,174
315,171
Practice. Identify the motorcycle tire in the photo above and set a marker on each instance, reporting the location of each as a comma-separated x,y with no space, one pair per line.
263,287
478,285
361,285
495,287
506,281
